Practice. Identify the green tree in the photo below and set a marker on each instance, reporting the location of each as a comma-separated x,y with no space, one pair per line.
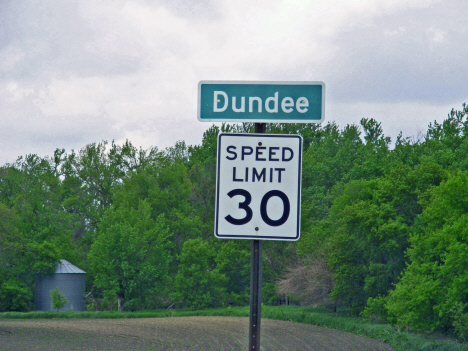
166,186
205,154
58,299
436,279
34,231
198,283
233,261
130,257
14,296
369,227
92,175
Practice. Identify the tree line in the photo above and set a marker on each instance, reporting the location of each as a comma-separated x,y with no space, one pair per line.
384,226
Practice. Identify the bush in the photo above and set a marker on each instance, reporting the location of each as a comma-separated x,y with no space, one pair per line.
460,321
14,296
375,308
198,284
310,282
435,281
58,300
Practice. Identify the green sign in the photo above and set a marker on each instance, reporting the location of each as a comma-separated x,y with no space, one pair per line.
287,102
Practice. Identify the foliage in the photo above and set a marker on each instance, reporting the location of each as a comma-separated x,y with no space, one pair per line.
460,321
437,277
130,256
375,308
371,222
198,283
33,228
58,299
382,228
233,262
14,296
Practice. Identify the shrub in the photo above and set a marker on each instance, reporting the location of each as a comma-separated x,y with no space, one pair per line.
58,300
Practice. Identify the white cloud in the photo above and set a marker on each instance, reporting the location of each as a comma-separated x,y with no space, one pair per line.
82,71
436,35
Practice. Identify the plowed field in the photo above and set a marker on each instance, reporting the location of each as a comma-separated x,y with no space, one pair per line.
180,333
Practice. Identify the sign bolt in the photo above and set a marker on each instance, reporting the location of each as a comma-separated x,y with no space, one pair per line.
256,229
260,143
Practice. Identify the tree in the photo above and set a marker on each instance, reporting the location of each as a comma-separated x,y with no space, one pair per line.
166,186
14,296
130,256
233,261
34,231
310,282
198,283
435,280
369,227
58,299
92,176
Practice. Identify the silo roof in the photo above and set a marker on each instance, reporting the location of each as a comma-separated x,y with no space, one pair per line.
66,267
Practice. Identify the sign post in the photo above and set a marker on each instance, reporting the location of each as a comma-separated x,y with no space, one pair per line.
258,176
255,316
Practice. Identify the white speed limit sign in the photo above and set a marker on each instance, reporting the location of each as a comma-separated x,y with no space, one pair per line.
258,186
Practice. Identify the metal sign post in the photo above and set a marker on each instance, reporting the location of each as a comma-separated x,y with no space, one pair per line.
255,294
256,281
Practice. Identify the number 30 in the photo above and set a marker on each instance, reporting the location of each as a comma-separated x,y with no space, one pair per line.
263,207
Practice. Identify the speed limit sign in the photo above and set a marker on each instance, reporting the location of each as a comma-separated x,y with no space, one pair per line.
258,186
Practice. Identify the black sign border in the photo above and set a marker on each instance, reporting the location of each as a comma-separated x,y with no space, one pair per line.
259,237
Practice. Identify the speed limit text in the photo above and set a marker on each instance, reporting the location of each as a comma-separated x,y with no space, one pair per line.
259,153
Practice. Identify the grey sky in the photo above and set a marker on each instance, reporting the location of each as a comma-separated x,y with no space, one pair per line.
75,72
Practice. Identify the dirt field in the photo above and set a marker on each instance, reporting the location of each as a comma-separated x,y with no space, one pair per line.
181,333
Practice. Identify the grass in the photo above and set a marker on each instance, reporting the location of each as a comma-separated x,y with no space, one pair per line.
343,320
399,339
240,312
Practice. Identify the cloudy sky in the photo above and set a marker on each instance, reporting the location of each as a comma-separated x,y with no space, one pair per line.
75,72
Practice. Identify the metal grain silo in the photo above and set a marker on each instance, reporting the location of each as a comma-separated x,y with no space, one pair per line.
70,280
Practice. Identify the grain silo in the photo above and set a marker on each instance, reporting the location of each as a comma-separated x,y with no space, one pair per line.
70,280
